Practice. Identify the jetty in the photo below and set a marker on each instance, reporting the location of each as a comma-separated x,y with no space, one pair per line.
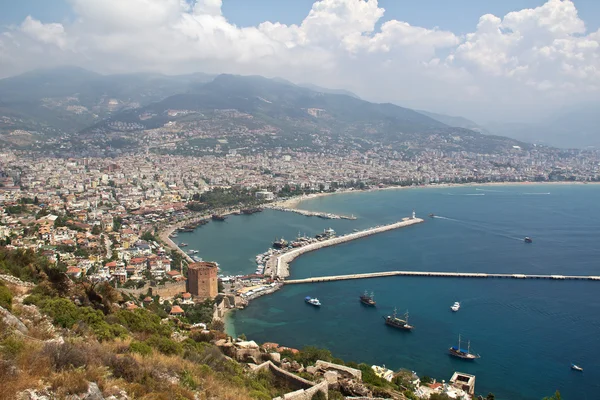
311,213
441,275
278,265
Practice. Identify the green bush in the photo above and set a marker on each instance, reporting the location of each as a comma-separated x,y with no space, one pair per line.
11,347
165,345
141,348
5,297
140,321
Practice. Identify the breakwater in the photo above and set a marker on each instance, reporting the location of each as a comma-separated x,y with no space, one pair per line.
310,213
278,265
440,275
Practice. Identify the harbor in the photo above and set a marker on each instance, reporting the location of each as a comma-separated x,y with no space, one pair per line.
278,265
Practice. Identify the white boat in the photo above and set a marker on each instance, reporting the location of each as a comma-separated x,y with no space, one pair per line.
313,302
455,307
576,367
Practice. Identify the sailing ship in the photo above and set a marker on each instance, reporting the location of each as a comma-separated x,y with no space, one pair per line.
457,351
396,322
368,300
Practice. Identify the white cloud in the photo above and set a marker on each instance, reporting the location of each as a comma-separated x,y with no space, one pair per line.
504,65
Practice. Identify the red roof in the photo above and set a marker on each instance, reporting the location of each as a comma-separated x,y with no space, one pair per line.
73,270
176,310
173,273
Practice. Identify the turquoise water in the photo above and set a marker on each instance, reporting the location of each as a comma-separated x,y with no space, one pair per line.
527,331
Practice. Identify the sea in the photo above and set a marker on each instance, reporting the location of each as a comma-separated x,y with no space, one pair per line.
528,332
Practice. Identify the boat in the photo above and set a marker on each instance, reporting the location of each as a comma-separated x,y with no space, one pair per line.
182,244
367,299
173,235
280,244
576,368
196,259
313,302
249,211
457,351
431,215
455,307
396,322
217,217
327,234
193,252
527,239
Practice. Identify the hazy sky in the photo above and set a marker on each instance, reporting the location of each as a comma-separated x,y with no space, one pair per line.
484,59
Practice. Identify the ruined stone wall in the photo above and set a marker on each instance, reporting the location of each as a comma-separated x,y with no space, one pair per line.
168,290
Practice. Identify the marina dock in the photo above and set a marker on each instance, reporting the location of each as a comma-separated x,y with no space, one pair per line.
441,275
278,266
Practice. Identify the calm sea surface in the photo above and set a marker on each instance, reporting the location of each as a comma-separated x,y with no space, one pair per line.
527,331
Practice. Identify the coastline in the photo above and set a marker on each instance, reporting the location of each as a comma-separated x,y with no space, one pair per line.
296,201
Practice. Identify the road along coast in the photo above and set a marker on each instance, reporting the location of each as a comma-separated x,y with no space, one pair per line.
278,265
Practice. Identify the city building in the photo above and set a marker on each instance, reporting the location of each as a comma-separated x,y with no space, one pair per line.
202,280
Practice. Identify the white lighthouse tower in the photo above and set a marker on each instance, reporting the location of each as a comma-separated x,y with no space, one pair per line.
413,215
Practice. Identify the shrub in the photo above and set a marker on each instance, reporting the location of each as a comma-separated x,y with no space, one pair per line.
319,396
65,355
140,348
165,345
5,297
140,321
335,395
125,367
188,380
69,383
11,347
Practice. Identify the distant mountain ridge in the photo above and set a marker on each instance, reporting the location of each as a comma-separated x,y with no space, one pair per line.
76,100
458,122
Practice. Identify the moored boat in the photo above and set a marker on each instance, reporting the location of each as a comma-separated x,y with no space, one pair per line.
217,217
396,322
455,307
280,244
457,351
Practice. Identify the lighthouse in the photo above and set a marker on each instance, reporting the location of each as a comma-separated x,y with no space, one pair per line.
413,215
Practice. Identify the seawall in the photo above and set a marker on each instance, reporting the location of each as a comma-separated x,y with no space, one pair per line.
279,266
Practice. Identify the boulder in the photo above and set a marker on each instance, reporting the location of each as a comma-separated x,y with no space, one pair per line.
12,321
93,393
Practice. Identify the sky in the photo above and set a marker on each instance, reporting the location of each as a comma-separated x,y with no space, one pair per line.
517,60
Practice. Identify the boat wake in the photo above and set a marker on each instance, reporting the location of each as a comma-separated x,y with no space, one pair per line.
480,228
490,190
464,194
535,194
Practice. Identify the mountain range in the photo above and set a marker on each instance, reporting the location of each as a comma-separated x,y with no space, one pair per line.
79,102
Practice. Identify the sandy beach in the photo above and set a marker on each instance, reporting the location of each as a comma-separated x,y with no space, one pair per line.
296,201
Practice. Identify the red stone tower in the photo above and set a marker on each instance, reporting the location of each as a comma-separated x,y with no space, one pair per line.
202,280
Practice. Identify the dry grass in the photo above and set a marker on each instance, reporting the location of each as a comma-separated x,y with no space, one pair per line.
68,382
67,369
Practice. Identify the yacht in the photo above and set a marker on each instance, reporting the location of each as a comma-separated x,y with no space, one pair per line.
313,302
576,367
455,307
